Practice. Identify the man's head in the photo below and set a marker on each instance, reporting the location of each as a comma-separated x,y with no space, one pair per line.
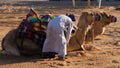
72,16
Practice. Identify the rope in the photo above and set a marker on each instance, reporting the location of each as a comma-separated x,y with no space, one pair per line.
93,29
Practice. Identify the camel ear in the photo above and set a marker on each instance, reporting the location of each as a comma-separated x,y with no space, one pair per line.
91,13
106,14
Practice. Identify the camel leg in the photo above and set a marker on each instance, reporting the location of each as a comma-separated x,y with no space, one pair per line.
11,50
9,44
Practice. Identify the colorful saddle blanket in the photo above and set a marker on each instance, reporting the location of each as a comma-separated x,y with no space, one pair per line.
33,27
45,19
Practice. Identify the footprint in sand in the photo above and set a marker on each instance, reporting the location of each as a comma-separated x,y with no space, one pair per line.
115,61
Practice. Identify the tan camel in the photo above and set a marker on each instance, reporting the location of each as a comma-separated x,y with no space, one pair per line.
84,25
99,27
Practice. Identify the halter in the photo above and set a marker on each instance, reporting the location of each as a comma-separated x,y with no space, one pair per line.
113,19
98,17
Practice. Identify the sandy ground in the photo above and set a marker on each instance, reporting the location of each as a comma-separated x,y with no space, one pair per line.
107,54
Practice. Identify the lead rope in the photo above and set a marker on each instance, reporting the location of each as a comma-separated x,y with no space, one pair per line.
93,29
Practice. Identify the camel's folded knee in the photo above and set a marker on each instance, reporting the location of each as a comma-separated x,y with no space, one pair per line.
10,50
4,52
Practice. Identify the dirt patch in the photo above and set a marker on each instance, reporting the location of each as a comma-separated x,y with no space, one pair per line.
106,56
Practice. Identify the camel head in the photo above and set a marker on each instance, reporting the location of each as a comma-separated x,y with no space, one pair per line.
107,19
88,17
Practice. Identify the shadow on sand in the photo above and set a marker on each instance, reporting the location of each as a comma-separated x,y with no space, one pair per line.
14,59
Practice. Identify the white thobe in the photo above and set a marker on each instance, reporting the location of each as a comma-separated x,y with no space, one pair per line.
58,35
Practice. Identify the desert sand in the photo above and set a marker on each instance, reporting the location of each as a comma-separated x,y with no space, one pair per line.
105,55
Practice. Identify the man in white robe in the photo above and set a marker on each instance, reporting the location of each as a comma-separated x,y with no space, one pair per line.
58,35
